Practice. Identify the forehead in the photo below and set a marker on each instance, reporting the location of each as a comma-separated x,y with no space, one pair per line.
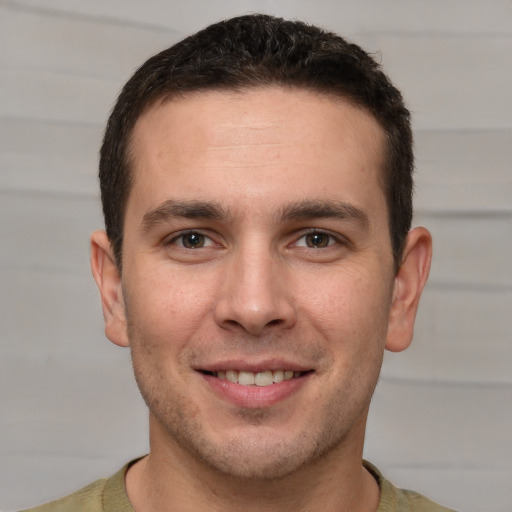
263,145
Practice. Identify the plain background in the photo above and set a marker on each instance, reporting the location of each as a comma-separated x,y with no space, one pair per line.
441,420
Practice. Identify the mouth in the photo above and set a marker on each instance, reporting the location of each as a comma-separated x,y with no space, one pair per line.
260,379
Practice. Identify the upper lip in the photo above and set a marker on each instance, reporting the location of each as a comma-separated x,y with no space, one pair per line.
253,366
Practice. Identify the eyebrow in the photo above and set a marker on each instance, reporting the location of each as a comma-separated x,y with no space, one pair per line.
172,209
295,211
324,209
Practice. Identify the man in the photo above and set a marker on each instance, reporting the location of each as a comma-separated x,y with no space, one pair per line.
256,181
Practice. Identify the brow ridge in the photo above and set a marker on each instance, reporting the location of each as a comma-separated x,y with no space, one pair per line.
294,211
173,208
323,209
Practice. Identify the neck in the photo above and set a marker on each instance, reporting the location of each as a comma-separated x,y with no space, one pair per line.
171,479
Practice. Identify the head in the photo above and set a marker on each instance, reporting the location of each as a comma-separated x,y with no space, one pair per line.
252,51
256,180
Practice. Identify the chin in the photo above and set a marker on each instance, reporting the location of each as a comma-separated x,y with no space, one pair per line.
258,455
257,462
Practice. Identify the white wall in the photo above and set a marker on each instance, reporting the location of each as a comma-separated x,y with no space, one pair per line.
442,416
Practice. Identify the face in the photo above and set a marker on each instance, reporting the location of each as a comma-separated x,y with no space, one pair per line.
257,292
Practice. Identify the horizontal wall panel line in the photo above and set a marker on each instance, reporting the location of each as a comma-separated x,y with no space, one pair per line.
446,383
500,466
53,122
457,286
501,213
48,194
435,33
463,130
70,15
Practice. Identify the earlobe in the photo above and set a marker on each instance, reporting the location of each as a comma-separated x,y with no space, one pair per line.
409,283
108,279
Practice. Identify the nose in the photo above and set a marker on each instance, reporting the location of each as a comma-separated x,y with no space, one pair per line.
255,295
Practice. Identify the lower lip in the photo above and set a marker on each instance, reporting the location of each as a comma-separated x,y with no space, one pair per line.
255,396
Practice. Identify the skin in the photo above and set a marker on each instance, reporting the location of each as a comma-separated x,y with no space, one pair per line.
256,234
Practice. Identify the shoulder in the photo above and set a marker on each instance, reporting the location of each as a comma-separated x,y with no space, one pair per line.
88,499
393,499
104,495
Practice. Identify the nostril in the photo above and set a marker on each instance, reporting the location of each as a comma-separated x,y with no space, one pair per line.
233,323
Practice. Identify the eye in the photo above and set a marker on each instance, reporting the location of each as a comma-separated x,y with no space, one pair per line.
192,240
316,240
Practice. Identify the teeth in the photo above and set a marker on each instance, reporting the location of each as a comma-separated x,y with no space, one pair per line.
232,376
265,378
246,378
278,376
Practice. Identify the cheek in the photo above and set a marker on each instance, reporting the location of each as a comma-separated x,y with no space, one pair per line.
348,305
164,310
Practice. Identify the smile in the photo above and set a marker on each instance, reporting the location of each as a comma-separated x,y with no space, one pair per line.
261,387
264,378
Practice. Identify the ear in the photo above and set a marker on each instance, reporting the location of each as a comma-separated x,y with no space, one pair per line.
108,279
409,283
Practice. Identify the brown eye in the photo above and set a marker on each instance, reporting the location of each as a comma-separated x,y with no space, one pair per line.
318,240
192,240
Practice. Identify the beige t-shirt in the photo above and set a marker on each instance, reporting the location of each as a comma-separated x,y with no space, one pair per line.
109,495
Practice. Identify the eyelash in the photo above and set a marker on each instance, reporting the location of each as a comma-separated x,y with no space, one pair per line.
209,242
183,234
332,238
